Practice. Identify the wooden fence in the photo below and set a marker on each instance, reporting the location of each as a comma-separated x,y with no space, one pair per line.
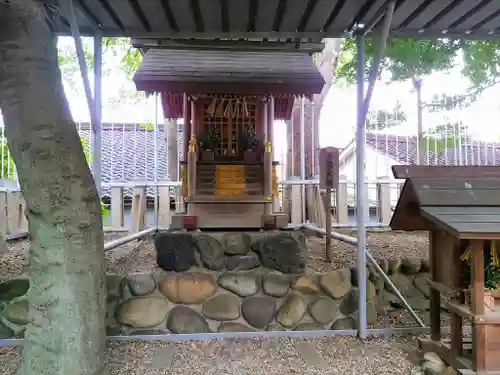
139,208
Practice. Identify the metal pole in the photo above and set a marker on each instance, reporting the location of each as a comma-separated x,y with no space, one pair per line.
354,241
121,241
378,57
97,127
156,146
360,184
363,106
302,157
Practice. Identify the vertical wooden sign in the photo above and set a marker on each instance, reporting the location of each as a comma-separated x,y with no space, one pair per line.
328,180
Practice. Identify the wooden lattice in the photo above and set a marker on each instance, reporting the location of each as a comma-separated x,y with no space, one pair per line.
227,127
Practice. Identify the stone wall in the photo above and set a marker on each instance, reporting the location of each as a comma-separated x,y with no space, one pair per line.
205,300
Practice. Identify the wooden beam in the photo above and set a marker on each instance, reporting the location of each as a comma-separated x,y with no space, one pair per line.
244,45
198,18
168,33
169,14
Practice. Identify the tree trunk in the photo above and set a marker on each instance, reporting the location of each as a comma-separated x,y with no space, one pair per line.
326,62
67,296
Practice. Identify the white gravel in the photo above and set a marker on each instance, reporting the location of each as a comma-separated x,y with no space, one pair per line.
334,355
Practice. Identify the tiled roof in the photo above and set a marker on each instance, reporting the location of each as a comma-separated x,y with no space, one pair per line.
128,154
403,149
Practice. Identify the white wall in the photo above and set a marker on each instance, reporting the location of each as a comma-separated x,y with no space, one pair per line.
376,166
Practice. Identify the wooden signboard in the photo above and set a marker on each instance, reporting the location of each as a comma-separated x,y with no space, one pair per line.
328,180
328,168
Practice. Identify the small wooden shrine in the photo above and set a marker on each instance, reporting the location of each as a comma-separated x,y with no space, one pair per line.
229,101
461,211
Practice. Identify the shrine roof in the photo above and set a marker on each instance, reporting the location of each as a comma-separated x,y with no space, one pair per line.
291,21
231,72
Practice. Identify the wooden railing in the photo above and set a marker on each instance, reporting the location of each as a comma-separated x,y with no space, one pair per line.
134,206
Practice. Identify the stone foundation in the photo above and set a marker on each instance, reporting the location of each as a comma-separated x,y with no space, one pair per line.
202,300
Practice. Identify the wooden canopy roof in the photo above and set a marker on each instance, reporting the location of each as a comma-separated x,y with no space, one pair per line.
464,206
305,20
228,72
175,72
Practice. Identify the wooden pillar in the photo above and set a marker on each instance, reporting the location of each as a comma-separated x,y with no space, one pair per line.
117,212
270,120
264,118
187,124
164,207
477,306
172,148
435,295
138,209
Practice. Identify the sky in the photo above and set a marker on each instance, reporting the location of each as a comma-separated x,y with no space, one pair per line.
338,115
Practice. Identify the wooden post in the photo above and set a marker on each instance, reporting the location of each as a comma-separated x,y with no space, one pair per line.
435,295
270,121
477,305
172,148
342,212
456,344
191,178
384,210
187,124
164,218
15,211
117,212
268,182
328,180
295,204
4,213
138,209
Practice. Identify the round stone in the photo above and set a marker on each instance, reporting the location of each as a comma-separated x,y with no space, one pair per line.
276,284
234,327
244,285
243,262
115,287
411,266
346,323
18,312
211,252
142,312
336,283
5,332
421,283
292,311
259,311
188,288
175,251
308,326
222,307
182,319
323,310
305,285
236,243
141,284
275,327
13,288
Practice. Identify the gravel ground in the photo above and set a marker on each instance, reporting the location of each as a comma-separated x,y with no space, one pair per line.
334,355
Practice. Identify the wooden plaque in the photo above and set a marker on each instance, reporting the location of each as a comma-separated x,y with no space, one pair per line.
328,168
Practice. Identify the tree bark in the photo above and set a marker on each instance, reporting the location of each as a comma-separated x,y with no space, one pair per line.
326,62
67,295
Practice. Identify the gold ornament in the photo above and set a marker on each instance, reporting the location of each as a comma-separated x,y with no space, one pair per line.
192,143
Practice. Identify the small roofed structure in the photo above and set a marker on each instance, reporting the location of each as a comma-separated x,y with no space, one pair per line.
461,211
229,101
